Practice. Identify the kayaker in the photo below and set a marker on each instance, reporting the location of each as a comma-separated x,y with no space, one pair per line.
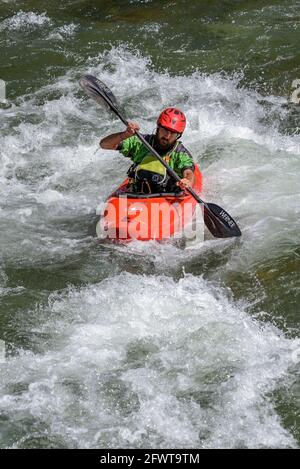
147,174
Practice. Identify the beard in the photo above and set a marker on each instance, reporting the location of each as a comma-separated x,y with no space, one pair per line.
162,145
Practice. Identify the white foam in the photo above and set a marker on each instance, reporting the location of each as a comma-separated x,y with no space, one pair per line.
129,357
24,19
49,196
187,369
64,32
252,173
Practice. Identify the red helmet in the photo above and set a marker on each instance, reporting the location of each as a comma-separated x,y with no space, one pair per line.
172,119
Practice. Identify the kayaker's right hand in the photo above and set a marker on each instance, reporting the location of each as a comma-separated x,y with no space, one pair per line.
113,141
131,129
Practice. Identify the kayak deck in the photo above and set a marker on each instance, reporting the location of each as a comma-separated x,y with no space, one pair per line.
129,216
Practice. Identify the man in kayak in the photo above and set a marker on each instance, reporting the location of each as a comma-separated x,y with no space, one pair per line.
147,174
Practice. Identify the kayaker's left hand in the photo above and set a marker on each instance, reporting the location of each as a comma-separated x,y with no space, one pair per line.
184,183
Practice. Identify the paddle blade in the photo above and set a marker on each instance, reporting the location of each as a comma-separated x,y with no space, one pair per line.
219,222
98,91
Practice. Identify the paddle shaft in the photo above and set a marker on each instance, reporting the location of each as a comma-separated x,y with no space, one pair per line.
217,220
154,153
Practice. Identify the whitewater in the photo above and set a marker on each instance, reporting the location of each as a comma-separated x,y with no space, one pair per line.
147,345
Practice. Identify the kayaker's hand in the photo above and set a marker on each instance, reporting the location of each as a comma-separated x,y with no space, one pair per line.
184,183
131,129
113,141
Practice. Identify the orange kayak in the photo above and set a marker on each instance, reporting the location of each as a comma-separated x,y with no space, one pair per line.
128,216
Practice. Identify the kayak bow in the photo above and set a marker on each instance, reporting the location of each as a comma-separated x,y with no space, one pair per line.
129,216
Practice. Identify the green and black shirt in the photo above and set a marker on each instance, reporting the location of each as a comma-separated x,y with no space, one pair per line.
178,158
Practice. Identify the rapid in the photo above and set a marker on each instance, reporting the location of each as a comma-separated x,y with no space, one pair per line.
148,345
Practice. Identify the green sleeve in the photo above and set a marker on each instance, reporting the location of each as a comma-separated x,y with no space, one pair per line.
129,146
184,161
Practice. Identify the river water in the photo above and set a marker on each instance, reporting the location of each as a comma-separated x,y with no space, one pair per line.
149,345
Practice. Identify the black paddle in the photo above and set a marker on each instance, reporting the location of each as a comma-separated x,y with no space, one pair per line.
219,222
